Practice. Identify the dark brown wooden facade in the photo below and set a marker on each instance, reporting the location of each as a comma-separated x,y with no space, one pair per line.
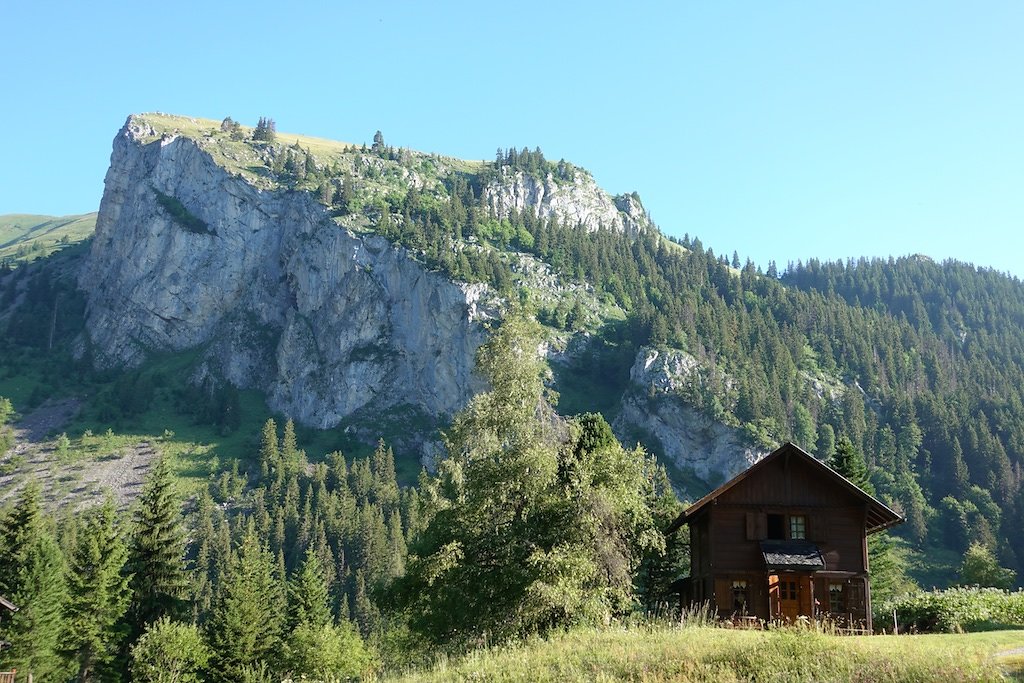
784,540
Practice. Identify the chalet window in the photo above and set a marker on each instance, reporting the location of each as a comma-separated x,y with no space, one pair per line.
836,604
740,596
777,527
797,526
787,590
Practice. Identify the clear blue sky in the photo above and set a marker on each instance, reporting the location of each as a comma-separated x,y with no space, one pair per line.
782,130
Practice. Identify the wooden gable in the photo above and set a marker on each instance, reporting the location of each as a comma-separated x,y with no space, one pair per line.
791,477
789,481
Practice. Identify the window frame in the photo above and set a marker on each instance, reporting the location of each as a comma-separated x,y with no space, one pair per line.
797,524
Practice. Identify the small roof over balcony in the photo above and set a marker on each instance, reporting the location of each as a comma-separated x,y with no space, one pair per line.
792,556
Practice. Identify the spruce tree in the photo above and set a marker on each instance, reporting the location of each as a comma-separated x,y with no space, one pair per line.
308,598
849,462
270,456
245,627
97,595
155,560
291,456
32,576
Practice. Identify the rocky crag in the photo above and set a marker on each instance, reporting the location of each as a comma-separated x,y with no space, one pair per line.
278,296
197,247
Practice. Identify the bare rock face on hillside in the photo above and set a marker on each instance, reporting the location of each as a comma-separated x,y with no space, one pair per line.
573,202
270,293
275,295
702,451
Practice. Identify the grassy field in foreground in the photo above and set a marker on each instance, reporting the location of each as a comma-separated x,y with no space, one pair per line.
660,655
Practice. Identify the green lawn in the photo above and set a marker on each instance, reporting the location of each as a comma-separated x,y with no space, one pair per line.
666,654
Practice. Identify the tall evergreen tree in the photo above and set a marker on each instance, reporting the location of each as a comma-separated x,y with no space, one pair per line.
308,598
270,455
156,556
245,627
32,576
849,462
97,595
885,559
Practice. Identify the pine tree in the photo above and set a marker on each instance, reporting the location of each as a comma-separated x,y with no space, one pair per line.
531,533
385,483
270,456
849,462
378,143
366,614
155,560
309,601
32,576
887,566
266,130
245,627
97,595
291,456
203,566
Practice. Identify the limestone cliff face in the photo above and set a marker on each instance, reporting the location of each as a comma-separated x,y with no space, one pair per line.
191,253
579,201
695,445
274,293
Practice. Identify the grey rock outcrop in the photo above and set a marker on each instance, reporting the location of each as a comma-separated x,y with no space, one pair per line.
703,452
276,295
338,326
577,201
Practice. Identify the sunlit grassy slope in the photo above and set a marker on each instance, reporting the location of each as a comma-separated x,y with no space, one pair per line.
664,654
240,156
25,237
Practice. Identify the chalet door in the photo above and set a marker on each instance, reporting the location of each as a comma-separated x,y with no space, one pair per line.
789,596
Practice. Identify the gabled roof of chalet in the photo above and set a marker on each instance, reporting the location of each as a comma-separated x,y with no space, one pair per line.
8,604
879,517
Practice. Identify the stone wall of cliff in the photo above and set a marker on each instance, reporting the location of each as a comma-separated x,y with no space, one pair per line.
277,296
577,201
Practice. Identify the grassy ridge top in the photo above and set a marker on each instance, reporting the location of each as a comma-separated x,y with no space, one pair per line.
240,156
198,128
25,237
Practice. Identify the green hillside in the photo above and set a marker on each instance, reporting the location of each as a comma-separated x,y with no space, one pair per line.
309,552
917,363
25,237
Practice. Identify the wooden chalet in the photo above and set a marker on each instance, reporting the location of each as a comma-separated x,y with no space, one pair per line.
784,540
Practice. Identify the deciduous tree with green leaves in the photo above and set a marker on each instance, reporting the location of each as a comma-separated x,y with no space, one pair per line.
169,652
981,568
538,523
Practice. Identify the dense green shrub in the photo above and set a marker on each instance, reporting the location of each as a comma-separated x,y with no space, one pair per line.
954,610
181,215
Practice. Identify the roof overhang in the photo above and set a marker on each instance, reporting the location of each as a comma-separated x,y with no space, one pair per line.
8,604
879,515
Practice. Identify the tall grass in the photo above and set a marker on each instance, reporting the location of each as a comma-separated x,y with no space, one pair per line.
660,654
